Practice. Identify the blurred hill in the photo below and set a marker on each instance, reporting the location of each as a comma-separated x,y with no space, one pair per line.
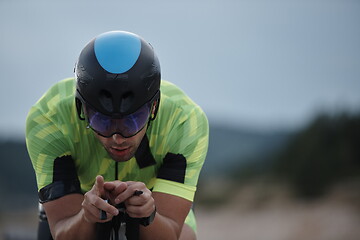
323,154
306,164
17,178
229,147
313,160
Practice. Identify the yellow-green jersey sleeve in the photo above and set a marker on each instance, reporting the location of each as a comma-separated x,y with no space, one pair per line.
48,125
182,135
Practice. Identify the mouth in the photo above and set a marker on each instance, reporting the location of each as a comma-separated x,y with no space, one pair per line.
119,151
120,148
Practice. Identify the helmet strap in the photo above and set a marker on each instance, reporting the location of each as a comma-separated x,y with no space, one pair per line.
79,108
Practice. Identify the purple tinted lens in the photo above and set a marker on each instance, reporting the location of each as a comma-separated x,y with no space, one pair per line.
127,126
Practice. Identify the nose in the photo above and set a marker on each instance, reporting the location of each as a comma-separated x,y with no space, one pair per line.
118,139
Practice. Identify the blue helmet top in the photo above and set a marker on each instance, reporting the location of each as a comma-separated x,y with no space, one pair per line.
117,72
117,52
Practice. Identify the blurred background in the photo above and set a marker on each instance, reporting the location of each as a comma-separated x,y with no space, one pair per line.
279,81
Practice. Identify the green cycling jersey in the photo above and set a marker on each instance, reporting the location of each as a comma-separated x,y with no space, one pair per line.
67,156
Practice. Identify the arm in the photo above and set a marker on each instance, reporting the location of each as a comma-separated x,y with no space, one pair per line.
66,218
74,216
168,220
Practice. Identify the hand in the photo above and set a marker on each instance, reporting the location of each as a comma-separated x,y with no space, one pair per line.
94,202
137,206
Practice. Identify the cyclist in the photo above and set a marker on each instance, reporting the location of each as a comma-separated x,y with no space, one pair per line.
117,135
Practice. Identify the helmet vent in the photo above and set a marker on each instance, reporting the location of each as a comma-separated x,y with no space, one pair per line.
106,100
126,102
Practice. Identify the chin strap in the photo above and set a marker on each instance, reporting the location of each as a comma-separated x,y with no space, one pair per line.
79,108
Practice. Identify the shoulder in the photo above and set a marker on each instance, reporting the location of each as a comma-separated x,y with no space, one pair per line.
178,118
60,92
58,96
53,114
175,104
173,93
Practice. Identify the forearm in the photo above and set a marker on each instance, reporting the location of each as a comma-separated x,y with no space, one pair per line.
163,228
74,216
74,227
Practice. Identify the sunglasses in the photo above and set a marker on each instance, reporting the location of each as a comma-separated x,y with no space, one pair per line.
127,126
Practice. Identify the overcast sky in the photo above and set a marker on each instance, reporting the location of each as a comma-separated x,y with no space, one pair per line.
264,64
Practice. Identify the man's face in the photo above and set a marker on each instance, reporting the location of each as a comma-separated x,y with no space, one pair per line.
122,149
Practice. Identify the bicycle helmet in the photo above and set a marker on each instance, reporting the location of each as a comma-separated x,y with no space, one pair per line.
116,74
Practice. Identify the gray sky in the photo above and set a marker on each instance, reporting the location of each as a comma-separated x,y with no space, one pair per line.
265,64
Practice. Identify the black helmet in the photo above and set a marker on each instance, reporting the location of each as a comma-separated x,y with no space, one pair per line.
117,72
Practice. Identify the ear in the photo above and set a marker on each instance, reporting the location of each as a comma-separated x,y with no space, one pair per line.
154,109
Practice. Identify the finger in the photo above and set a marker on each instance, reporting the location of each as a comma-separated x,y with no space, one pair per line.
130,190
99,185
109,212
116,186
101,204
89,210
120,188
138,198
103,210
109,186
95,214
139,211
93,205
113,189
